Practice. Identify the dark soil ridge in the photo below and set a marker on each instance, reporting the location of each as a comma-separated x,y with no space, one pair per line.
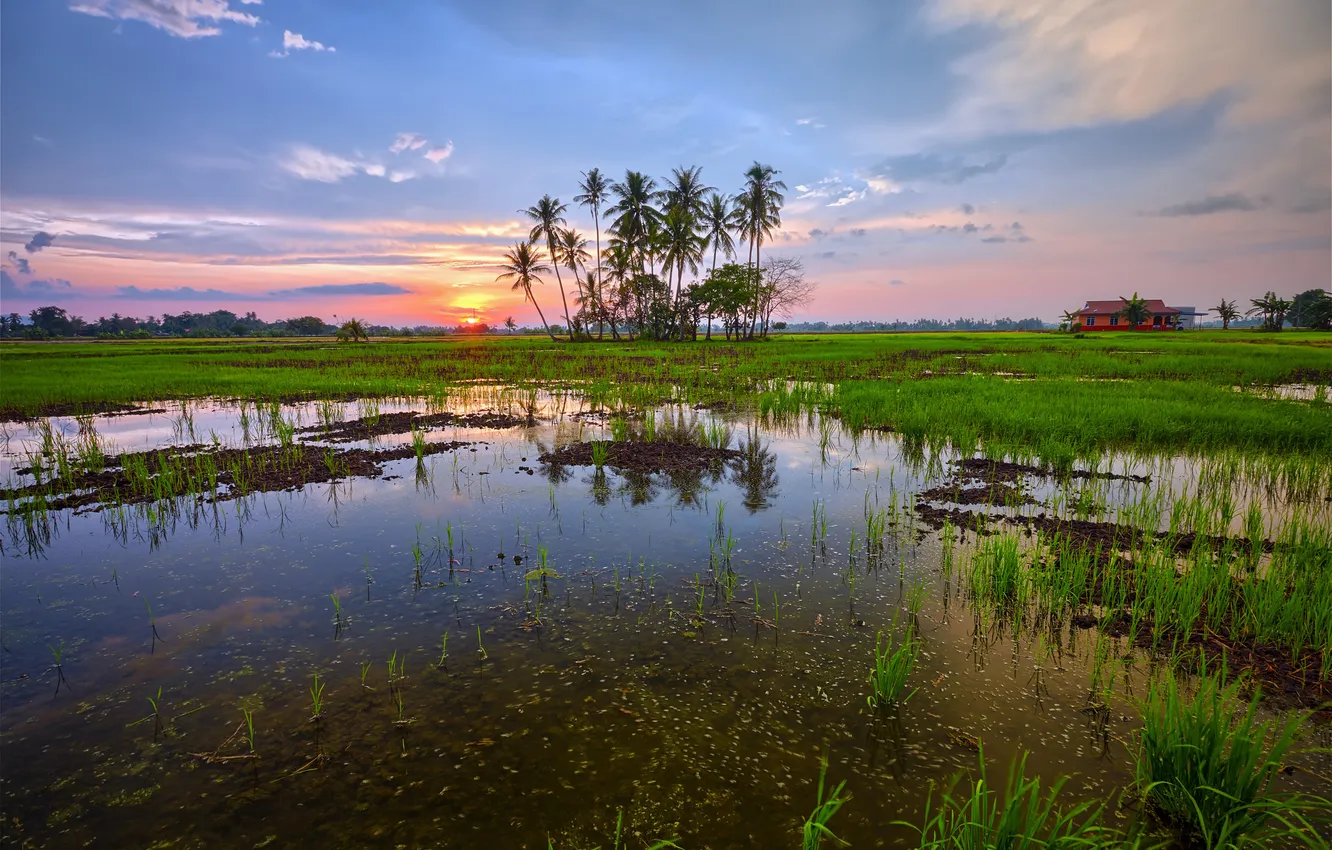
1002,470
1284,682
998,494
270,468
644,457
76,409
404,423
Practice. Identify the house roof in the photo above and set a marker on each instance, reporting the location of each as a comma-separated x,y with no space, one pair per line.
1111,308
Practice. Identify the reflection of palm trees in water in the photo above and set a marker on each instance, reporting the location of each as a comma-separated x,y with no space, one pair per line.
755,472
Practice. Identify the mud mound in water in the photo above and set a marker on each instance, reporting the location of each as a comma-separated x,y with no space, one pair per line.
204,472
643,457
984,469
404,423
998,494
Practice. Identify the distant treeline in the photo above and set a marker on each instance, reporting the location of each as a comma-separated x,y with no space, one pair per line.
1004,324
55,322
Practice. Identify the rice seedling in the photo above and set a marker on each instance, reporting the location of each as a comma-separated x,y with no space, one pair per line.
444,649
649,426
337,614
317,699
58,656
156,703
481,653
815,828
365,672
599,455
1020,817
892,666
152,621
1206,764
249,727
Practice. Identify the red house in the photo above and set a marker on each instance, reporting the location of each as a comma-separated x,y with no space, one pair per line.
1106,316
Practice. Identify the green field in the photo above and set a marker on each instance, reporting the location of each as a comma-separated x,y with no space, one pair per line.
1052,395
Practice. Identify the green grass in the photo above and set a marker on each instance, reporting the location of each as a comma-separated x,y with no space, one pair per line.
1207,763
1020,817
1077,397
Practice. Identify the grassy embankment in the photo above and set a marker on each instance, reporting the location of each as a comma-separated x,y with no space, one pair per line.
1051,395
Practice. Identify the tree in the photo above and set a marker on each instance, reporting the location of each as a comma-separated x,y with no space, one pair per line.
762,204
685,191
509,324
1272,308
1301,305
783,289
1227,312
1134,310
523,266
596,191
681,246
548,215
352,330
1069,319
1318,313
54,321
720,217
635,216
302,326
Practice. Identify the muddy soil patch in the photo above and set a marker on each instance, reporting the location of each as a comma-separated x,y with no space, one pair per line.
984,469
998,493
210,474
643,457
370,427
14,414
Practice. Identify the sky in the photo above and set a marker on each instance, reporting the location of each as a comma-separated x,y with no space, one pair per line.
942,158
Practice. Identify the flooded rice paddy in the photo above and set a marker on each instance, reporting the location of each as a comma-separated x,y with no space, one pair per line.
511,619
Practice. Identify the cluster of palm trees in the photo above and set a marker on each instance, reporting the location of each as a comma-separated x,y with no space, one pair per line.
660,235
1312,309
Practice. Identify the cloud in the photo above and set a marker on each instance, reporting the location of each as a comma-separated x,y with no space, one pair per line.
10,288
178,293
295,41
324,289
858,231
995,239
933,168
310,163
440,154
896,282
969,228
40,240
1233,202
817,233
400,176
20,262
826,255
967,209
1017,225
408,141
181,18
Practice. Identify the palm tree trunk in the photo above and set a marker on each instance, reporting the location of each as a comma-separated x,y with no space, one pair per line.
541,314
554,261
601,286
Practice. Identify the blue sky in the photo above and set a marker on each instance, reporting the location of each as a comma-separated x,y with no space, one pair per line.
942,158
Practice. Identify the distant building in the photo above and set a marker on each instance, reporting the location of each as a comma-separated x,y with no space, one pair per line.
1188,318
1107,316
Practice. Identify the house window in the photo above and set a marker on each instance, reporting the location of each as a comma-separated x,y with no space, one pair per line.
1156,321
1091,320
1114,320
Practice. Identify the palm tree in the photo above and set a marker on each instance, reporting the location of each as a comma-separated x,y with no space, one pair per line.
634,212
352,331
509,324
595,192
548,218
681,246
523,266
572,249
619,269
720,216
762,210
685,190
1227,312
1070,318
1272,308
1134,310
